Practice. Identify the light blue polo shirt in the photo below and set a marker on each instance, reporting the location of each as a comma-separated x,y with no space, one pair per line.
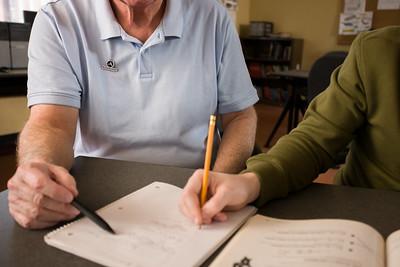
147,102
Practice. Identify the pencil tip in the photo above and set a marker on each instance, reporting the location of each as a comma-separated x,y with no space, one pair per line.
112,232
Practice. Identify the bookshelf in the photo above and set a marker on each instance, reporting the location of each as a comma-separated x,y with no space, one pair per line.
266,55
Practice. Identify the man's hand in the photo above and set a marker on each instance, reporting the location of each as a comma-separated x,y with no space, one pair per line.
227,192
40,195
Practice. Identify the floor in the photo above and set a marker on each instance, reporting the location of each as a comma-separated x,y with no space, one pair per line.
267,116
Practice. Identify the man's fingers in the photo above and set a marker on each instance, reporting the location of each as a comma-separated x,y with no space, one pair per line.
63,177
40,195
220,217
41,183
63,208
19,188
30,216
190,205
25,193
195,182
22,220
227,192
58,207
20,191
56,211
215,205
187,212
44,215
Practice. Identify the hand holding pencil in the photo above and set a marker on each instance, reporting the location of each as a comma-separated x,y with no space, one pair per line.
207,160
225,191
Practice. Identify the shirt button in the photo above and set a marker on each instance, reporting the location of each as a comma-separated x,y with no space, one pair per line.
159,35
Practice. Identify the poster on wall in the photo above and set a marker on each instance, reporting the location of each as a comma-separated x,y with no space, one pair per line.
354,6
353,23
388,4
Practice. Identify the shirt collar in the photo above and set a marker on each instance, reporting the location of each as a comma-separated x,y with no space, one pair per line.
108,24
172,22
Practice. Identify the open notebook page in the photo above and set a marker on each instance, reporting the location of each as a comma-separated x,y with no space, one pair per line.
151,231
393,249
265,241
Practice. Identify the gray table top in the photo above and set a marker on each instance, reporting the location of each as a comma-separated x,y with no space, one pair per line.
101,181
301,74
14,73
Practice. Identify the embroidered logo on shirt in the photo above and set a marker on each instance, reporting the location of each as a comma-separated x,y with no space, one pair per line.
110,66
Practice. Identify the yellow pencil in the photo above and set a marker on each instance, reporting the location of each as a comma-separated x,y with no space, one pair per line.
207,160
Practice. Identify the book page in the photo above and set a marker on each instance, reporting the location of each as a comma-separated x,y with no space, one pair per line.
151,231
393,249
269,242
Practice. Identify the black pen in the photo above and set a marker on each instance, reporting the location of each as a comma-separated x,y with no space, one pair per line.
93,216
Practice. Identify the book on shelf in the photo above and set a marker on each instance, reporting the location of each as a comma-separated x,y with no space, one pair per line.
287,53
266,241
276,68
270,51
268,69
255,69
282,50
277,51
264,70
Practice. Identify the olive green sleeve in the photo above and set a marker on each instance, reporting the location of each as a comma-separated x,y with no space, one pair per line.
330,123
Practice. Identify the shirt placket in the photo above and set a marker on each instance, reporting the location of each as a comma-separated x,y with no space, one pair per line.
144,59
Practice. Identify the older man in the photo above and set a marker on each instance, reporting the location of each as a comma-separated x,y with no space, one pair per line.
127,79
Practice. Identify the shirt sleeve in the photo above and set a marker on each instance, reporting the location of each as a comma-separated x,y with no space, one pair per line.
235,89
51,79
330,123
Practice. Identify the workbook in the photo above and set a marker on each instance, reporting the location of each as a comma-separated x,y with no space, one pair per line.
150,231
269,242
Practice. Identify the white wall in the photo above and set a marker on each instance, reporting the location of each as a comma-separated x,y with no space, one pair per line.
11,10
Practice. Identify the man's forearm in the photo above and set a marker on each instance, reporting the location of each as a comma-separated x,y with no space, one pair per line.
42,188
45,143
237,142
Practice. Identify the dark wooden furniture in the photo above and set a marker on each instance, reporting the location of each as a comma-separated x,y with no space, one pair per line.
102,181
13,82
266,55
8,145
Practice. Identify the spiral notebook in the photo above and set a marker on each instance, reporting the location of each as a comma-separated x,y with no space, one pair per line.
151,231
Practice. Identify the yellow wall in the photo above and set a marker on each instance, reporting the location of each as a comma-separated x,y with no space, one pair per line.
315,21
243,12
13,115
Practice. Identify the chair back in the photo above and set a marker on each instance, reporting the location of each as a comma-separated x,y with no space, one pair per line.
320,73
